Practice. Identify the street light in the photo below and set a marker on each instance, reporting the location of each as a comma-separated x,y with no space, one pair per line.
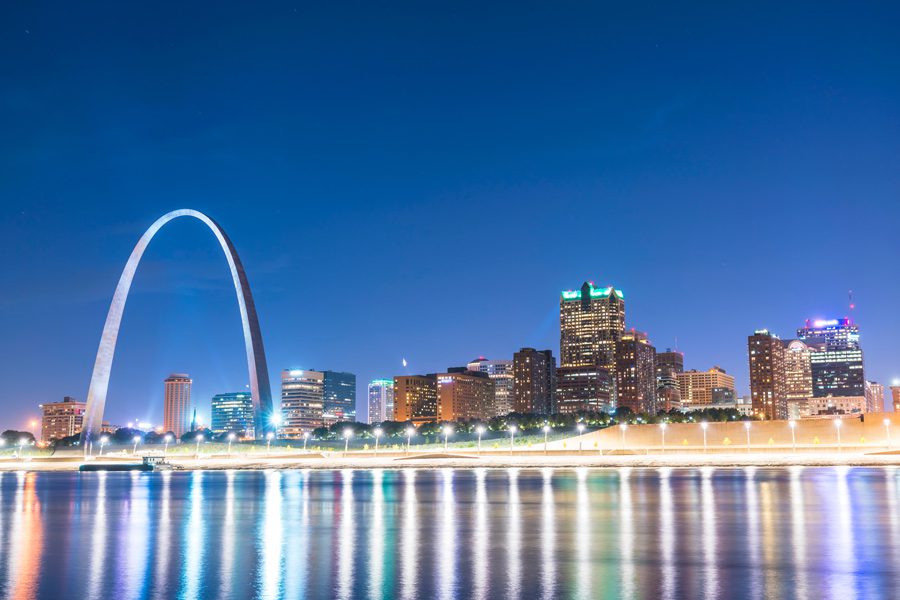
136,440
167,440
22,443
199,439
103,441
662,428
546,431
622,428
703,426
230,440
838,423
447,431
887,431
305,440
377,433
348,433
480,431
512,437
580,428
410,431
275,421
793,425
747,426
269,437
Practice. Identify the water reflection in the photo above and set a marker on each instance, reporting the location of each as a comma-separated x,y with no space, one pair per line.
519,533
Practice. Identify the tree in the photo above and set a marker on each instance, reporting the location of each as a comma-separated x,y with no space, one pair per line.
191,436
11,437
67,442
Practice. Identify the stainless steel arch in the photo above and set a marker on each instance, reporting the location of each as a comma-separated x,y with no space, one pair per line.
256,357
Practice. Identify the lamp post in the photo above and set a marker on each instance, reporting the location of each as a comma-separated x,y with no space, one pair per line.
136,440
703,426
793,425
377,433
103,442
447,431
662,429
512,437
230,440
269,437
887,431
546,431
348,433
747,426
275,421
622,428
305,440
838,424
410,431
580,428
480,431
167,440
22,443
199,440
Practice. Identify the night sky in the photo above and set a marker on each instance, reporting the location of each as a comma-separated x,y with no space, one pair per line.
421,180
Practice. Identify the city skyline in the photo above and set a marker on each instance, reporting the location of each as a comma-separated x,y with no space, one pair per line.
643,161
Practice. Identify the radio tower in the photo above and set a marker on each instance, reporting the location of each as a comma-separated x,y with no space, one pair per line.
850,302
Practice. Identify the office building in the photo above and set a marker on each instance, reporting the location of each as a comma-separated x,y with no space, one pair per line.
233,412
670,361
415,398
464,395
61,419
587,389
534,382
635,368
837,363
501,373
696,387
340,397
381,400
668,365
797,370
767,375
836,405
177,410
895,396
302,402
874,397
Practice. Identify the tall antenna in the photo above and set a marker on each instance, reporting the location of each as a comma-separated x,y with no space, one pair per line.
850,303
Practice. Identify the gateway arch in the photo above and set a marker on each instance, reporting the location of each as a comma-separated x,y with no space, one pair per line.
256,357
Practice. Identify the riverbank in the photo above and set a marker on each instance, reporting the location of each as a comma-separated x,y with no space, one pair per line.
493,460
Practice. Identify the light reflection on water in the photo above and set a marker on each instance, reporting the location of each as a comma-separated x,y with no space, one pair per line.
481,533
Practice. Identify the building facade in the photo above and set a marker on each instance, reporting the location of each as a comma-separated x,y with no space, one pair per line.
874,397
797,370
233,412
61,419
177,414
668,365
340,397
464,395
895,396
767,375
381,400
302,401
501,373
696,386
415,399
837,364
534,382
636,373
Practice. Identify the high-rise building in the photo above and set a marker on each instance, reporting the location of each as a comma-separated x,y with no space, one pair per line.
233,412
797,371
415,398
837,363
668,365
534,382
767,375
464,395
340,397
61,419
302,401
381,400
874,397
895,396
636,373
696,386
177,412
501,373
591,321
672,360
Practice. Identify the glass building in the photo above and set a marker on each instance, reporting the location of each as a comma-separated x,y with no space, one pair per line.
233,412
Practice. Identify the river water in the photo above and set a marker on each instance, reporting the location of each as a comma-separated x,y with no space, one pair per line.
824,532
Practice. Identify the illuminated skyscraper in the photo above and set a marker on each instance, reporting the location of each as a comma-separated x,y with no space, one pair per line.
797,371
837,364
591,321
464,395
177,404
233,412
61,419
381,400
636,373
415,398
340,397
668,365
895,396
302,401
768,390
501,373
874,397
534,382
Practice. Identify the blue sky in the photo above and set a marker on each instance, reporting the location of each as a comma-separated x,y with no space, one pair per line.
420,181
